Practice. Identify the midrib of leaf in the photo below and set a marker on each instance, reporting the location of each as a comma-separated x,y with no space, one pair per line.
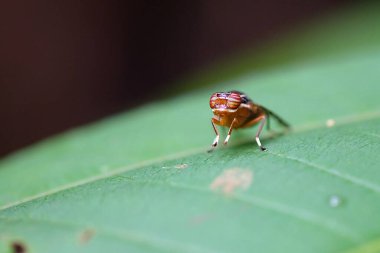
103,176
303,128
126,236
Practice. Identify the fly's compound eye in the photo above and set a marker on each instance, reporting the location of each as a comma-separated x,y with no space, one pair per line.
233,101
213,99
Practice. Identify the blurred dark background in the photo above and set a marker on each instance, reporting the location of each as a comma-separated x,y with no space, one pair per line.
67,63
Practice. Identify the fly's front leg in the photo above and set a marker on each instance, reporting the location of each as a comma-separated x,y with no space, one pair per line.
230,131
216,140
263,120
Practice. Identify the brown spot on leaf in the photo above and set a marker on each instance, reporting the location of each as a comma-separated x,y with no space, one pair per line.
18,247
232,179
86,235
199,219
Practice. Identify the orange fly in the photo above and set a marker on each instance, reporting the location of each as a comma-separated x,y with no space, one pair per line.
234,109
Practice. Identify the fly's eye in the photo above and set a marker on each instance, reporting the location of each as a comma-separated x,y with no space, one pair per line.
213,99
234,101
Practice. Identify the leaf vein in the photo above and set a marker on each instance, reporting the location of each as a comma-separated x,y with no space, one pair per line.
347,177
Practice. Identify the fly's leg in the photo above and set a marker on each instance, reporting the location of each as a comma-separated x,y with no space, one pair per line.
230,131
258,133
216,140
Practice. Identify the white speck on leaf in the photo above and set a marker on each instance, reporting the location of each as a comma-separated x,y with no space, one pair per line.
335,201
330,123
181,166
232,179
178,166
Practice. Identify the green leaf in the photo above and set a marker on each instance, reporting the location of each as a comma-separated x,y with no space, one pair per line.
142,181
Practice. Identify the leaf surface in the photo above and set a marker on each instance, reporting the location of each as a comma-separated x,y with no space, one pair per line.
142,181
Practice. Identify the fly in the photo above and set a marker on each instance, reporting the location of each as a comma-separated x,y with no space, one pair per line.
235,110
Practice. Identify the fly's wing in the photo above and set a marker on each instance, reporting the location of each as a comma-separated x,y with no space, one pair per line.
278,118
257,108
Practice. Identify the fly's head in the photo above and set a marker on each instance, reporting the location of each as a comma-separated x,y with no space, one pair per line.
225,102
